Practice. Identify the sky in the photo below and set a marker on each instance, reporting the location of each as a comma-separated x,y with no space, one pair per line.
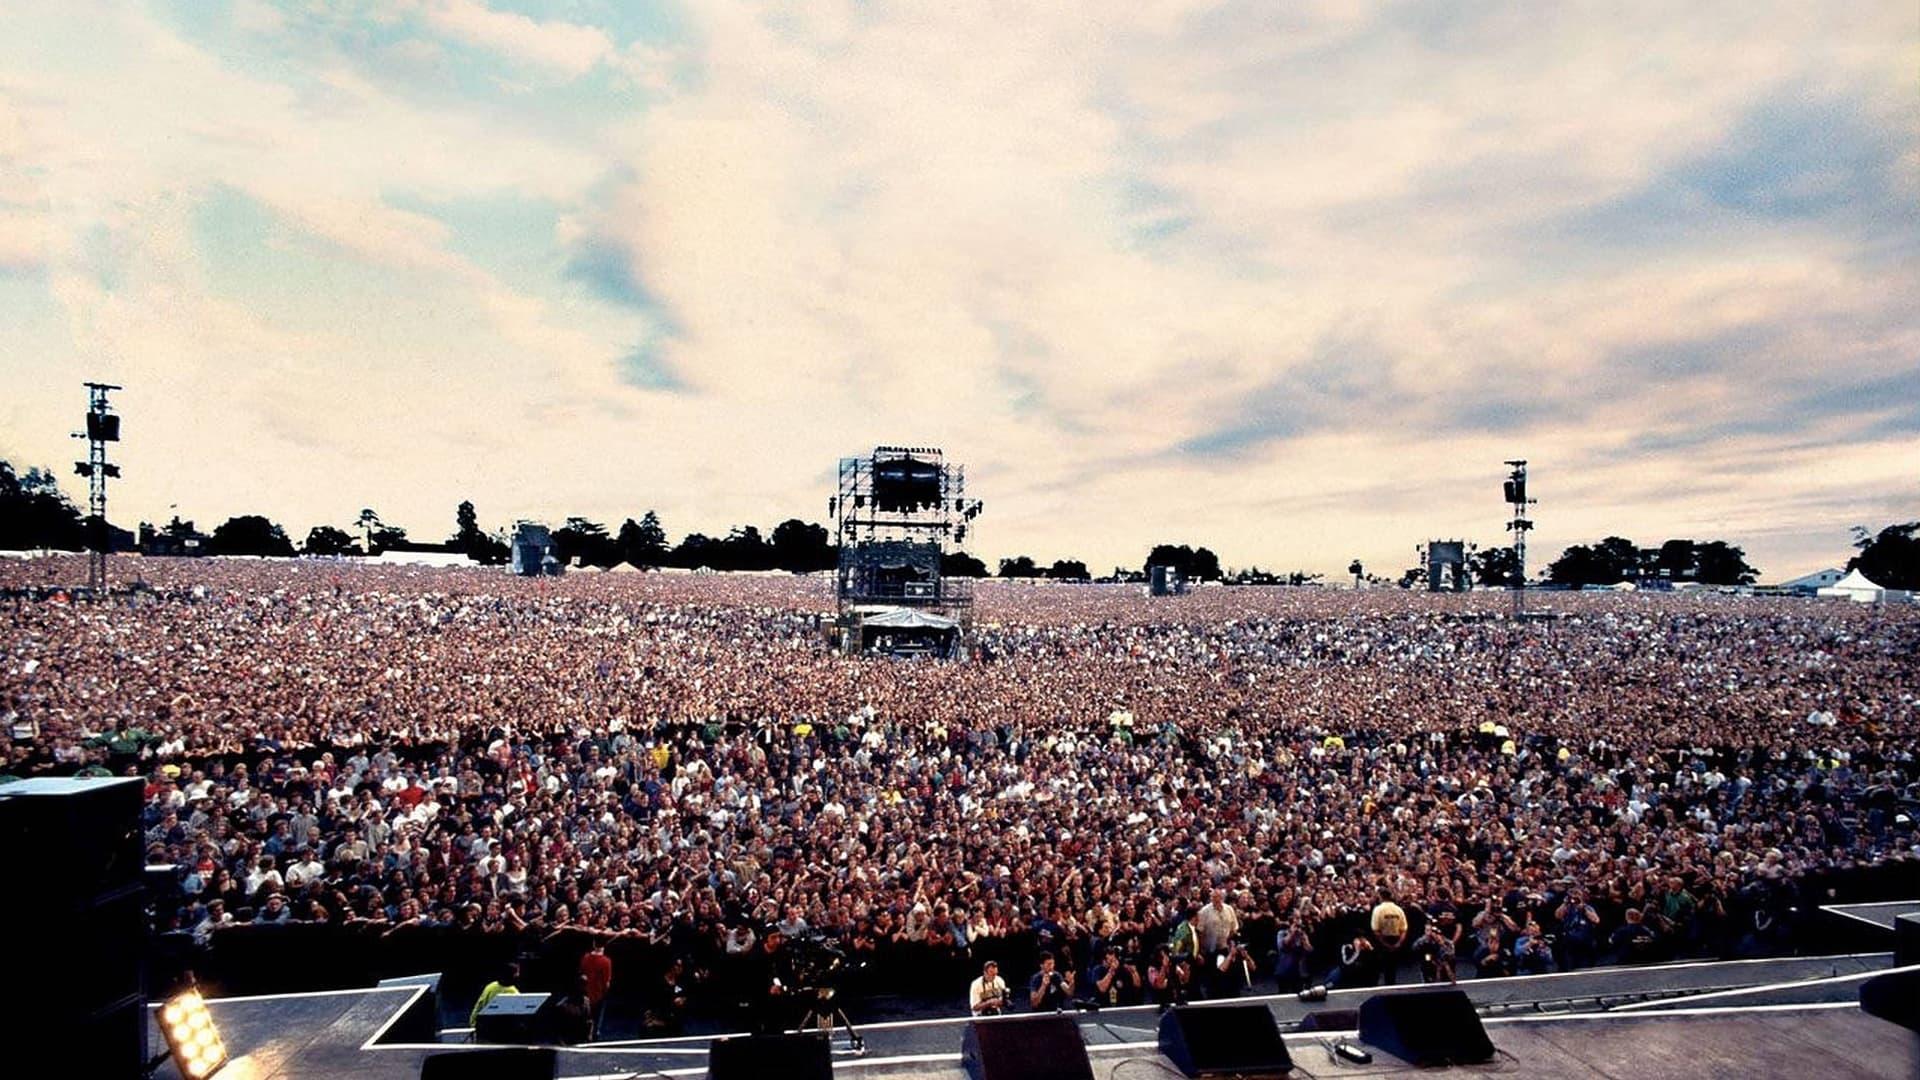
1286,280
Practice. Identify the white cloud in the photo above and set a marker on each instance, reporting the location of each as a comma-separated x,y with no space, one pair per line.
566,48
1061,244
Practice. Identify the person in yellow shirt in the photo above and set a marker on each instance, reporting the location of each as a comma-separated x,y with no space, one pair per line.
502,985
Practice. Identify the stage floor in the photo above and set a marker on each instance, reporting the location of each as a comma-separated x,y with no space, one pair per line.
1743,1018
1881,914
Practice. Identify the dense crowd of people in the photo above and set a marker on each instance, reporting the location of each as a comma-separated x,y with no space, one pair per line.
1163,798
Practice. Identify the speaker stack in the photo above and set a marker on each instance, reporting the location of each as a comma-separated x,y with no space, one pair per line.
1224,1040
749,1057
82,920
1426,1027
1044,1047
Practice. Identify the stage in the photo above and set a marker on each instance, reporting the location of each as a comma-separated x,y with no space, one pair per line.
1741,1018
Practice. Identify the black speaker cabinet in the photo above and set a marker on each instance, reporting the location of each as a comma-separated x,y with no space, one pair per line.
420,1021
748,1057
1426,1027
1906,940
1222,1040
513,1018
1046,1047
506,1063
1331,1020
1894,997
80,840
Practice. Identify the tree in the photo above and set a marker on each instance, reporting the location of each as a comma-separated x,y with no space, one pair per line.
1675,560
961,564
327,540
1609,562
584,540
1493,567
644,543
802,547
745,549
1019,567
369,523
466,533
34,514
1890,559
1720,563
694,551
1069,570
249,534
1194,564
1356,570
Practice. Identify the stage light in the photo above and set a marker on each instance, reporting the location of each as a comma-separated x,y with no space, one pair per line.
192,1037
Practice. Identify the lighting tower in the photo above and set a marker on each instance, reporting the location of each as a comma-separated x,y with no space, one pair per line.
103,427
1516,493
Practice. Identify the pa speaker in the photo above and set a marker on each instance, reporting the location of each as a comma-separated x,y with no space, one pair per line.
1906,940
81,840
1025,1048
1426,1027
1214,1040
1331,1020
749,1057
1894,997
507,1063
420,1021
513,1018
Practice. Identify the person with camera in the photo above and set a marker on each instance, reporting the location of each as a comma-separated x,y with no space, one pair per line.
1113,980
1050,988
1532,950
769,980
1435,955
987,996
1293,945
1579,930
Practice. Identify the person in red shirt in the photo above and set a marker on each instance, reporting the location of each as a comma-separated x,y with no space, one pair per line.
597,969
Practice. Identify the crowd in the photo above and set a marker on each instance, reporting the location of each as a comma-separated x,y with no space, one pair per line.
1164,798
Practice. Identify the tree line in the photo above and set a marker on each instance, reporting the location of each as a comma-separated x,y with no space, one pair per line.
35,513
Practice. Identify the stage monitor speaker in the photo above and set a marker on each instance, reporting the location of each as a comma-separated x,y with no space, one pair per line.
749,1057
1893,997
1222,1040
1906,940
506,1063
1047,1047
1331,1020
513,1018
1426,1027
420,1021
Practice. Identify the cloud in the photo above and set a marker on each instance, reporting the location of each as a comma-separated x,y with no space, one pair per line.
1288,280
562,47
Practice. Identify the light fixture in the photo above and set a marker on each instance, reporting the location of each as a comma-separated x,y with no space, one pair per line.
192,1038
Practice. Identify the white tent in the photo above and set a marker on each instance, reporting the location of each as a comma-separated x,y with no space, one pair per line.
1857,587
623,568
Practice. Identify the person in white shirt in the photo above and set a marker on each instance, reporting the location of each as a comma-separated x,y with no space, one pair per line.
988,994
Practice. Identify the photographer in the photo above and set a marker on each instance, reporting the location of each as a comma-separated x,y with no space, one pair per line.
1230,970
769,982
1113,981
1294,944
1435,955
1579,930
987,996
1049,988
